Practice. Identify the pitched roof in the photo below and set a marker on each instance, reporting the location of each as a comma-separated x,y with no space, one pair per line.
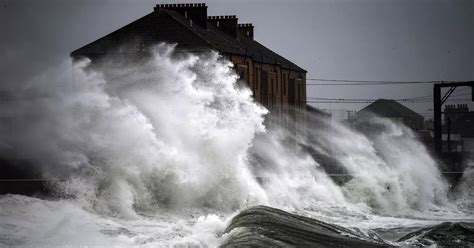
389,108
155,27
164,25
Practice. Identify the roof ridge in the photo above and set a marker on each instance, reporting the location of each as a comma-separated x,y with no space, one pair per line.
393,104
197,29
291,65
198,37
231,40
186,25
406,108
225,36
112,33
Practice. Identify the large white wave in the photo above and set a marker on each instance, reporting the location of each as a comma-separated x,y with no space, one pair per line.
165,132
390,169
176,132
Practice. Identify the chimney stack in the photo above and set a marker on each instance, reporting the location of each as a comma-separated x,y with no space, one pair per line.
195,12
227,24
246,29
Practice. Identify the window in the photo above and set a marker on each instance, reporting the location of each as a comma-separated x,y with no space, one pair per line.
272,86
255,78
259,74
277,87
298,101
248,72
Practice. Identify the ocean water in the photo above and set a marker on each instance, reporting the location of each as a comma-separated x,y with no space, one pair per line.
166,150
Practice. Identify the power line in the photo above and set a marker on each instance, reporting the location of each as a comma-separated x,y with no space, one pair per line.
365,102
427,98
363,82
357,84
338,101
344,82
363,99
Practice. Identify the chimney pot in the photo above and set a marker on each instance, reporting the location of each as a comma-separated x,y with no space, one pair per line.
197,12
225,23
246,29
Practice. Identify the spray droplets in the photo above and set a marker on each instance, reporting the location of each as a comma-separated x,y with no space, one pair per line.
177,131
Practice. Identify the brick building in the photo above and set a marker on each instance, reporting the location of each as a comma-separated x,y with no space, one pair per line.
460,118
276,82
460,128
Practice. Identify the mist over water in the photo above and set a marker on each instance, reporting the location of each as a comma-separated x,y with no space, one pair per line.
391,171
177,143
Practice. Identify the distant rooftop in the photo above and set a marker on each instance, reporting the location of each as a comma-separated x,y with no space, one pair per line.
191,29
389,108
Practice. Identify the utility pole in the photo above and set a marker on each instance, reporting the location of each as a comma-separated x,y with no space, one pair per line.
437,117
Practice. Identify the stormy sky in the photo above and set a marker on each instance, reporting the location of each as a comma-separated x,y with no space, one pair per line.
401,40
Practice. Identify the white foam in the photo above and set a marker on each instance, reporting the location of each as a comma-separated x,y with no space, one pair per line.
27,221
163,152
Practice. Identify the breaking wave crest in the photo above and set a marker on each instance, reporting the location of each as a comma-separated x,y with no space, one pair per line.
179,131
165,132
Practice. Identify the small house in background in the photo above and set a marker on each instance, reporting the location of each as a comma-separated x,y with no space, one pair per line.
395,111
276,82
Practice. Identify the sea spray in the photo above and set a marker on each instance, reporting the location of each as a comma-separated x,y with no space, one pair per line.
289,175
175,131
463,193
385,167
389,169
165,132
156,149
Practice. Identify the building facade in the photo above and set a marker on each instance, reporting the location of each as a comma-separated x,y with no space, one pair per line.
459,124
276,82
